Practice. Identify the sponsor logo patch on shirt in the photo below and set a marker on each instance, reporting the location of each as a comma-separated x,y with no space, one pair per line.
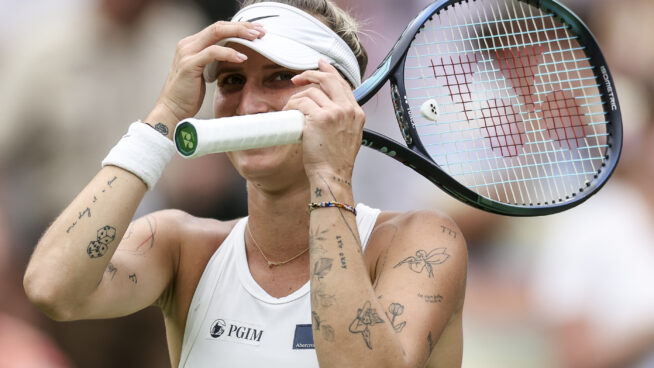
235,331
303,337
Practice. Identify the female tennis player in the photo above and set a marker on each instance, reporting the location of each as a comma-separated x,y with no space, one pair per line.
308,278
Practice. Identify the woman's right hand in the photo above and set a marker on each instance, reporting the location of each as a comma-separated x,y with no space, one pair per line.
184,90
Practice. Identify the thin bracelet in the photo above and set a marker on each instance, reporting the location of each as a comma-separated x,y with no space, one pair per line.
347,207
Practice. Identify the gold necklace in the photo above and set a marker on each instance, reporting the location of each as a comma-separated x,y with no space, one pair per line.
271,263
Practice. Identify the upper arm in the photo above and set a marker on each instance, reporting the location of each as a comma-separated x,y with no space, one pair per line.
141,269
420,281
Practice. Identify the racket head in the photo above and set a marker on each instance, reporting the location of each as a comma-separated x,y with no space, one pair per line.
528,121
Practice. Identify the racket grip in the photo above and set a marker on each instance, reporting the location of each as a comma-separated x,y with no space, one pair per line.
199,137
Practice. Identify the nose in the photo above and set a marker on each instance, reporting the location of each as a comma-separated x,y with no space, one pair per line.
253,100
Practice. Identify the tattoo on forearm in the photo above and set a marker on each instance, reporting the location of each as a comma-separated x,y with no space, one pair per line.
431,298
396,309
132,277
318,192
339,241
341,180
112,181
319,296
326,331
316,237
449,231
322,267
425,261
366,318
354,234
87,212
161,128
71,227
112,270
98,247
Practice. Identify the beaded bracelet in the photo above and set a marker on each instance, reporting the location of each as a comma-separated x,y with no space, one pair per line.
347,207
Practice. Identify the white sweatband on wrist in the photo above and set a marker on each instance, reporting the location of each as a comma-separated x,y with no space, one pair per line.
142,151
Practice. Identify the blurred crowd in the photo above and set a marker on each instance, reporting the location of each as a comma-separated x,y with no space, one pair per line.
570,290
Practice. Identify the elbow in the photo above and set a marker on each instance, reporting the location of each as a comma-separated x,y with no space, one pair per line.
45,297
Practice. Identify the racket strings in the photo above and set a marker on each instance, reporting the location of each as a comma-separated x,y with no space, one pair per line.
596,140
521,118
457,141
500,192
538,161
571,73
498,90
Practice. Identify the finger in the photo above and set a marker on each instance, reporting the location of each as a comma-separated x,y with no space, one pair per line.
317,95
219,31
304,104
325,66
198,61
329,80
313,75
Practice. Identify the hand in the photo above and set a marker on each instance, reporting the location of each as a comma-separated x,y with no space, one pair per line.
184,90
334,121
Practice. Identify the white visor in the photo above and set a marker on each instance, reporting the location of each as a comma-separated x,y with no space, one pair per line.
294,39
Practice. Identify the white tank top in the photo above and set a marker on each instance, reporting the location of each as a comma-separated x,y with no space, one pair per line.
233,322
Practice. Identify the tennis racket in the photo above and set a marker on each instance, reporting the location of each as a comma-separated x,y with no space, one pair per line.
507,105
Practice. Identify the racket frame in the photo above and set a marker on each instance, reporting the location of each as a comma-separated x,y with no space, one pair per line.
414,154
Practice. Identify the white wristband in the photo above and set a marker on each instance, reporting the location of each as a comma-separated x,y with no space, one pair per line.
142,151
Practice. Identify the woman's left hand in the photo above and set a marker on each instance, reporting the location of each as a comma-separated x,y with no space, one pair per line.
334,121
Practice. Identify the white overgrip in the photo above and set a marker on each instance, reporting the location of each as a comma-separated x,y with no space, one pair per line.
244,132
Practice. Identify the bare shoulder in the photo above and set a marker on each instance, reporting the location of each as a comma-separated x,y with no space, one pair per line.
422,220
419,241
418,228
189,227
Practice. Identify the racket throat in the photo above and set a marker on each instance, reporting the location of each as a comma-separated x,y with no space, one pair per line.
400,115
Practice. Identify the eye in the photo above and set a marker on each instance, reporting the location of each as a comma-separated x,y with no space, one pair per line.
281,79
283,76
231,81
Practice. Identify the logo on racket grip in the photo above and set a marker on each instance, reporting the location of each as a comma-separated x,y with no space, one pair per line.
186,139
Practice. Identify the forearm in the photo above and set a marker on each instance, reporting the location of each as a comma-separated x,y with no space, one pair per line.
71,257
350,326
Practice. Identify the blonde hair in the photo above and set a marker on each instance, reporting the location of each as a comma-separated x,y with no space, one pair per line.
337,19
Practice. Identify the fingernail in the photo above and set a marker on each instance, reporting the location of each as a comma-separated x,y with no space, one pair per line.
259,27
254,32
241,57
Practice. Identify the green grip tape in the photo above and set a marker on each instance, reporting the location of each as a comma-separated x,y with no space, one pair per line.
186,139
